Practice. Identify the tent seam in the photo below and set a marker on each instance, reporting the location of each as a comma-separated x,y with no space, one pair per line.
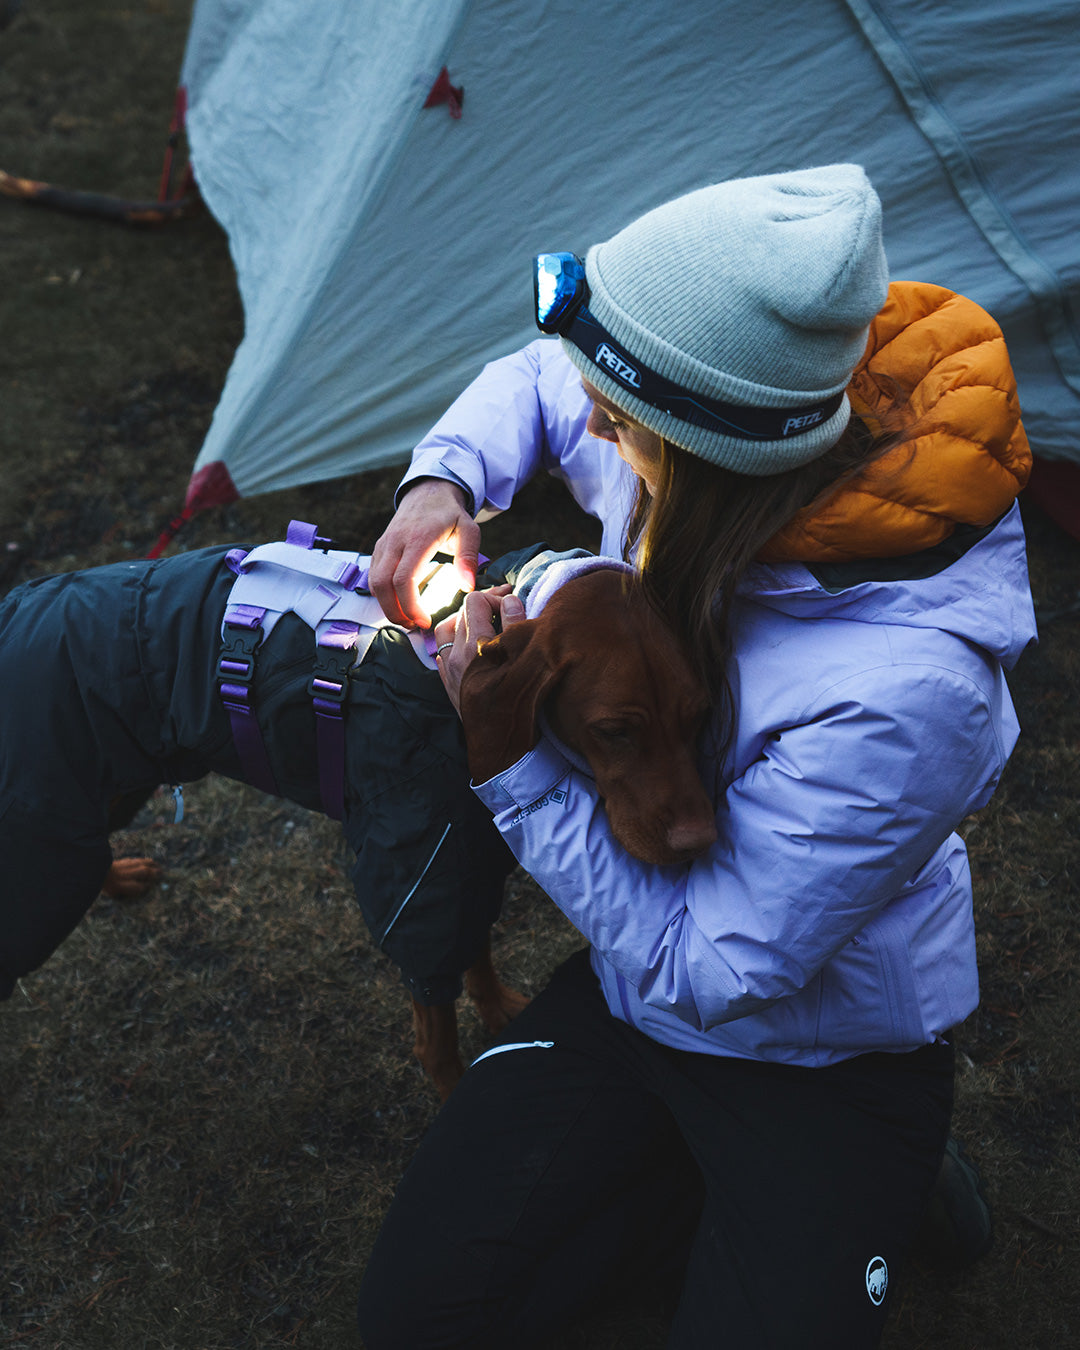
990,216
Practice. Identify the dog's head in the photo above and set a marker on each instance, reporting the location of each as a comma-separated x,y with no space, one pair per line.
617,688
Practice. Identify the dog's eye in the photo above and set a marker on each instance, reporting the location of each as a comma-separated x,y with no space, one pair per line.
612,733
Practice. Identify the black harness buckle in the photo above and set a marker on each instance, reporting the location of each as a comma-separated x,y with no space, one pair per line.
236,661
330,676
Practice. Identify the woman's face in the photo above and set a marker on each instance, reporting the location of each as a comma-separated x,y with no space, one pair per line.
637,445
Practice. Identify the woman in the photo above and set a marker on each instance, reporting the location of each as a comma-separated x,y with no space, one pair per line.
747,1078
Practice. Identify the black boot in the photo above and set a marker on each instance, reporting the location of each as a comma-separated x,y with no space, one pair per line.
957,1229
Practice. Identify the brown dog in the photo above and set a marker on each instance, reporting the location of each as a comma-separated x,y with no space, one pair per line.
617,688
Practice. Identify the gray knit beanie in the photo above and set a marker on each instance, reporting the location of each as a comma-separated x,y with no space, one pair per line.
756,292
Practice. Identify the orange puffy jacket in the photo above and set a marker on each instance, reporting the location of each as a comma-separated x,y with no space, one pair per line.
964,455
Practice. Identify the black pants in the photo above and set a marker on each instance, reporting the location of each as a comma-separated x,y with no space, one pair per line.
584,1154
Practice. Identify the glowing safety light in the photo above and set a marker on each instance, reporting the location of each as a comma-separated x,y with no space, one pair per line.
440,584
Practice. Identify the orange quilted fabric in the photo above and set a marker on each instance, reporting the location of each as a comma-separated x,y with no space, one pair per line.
964,456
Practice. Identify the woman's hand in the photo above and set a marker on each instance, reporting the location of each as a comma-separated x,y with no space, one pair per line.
432,514
482,616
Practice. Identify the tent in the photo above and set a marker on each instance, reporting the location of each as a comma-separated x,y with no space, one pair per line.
385,173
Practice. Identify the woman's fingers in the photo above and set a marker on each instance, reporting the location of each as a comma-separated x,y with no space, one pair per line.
511,610
431,516
458,638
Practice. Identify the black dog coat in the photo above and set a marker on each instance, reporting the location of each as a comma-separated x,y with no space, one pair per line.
109,687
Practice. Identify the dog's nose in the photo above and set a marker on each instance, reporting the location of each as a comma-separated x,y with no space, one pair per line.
688,838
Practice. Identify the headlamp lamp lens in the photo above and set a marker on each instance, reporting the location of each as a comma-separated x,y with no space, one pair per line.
559,287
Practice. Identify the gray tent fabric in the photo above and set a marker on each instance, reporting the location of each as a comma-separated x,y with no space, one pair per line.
383,248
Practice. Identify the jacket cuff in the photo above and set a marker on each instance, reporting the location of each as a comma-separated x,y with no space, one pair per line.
454,467
528,783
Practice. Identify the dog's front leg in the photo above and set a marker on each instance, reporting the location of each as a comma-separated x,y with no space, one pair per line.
436,1045
436,1030
496,1003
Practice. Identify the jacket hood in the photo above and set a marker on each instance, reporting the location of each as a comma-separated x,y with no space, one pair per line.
982,597
963,457
543,575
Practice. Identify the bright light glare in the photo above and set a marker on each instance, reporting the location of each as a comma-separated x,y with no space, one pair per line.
547,289
442,585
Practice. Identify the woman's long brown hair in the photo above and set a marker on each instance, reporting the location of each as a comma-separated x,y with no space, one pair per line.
693,540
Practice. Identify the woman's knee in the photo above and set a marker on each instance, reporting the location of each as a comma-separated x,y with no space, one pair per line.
418,1304
384,1319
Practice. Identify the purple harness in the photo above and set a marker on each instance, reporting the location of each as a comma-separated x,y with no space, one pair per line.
327,589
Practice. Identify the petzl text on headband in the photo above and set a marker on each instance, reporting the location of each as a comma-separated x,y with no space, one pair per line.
562,306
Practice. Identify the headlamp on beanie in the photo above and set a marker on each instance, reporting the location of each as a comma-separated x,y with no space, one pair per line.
729,320
561,293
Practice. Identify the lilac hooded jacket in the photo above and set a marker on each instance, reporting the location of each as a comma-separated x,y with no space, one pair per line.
833,916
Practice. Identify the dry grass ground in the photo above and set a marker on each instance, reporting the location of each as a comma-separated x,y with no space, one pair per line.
209,1097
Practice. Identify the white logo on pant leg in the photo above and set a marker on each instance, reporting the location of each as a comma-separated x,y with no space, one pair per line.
877,1280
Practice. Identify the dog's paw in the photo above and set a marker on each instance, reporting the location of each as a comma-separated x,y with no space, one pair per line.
446,1076
131,878
499,1006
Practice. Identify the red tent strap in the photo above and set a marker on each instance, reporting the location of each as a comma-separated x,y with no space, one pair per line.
176,127
212,485
169,533
442,91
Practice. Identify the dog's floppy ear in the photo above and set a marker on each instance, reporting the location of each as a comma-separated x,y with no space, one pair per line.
502,693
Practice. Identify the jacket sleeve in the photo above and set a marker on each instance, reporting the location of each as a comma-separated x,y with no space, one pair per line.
523,413
833,819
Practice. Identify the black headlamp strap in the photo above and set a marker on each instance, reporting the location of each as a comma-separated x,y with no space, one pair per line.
729,419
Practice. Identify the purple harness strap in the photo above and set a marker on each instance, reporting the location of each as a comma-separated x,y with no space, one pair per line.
236,671
329,688
303,534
